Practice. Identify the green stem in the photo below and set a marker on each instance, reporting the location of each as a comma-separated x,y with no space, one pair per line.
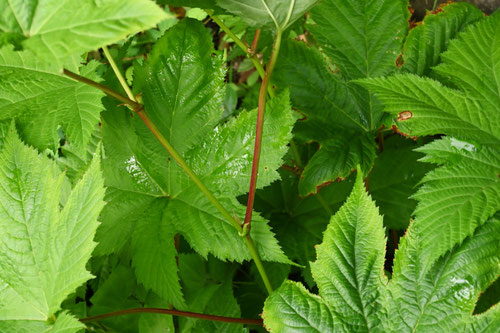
118,73
248,51
258,131
139,110
258,263
296,154
173,313
108,91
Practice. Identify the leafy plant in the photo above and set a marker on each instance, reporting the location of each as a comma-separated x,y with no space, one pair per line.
173,166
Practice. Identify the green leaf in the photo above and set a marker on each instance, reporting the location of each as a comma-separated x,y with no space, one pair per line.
182,84
335,116
154,254
150,198
488,322
457,197
279,14
208,289
299,222
470,114
41,99
442,298
292,308
363,38
394,180
354,295
348,272
335,160
425,42
43,249
57,29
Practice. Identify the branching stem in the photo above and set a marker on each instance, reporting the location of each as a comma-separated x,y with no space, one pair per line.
118,74
139,110
258,132
257,322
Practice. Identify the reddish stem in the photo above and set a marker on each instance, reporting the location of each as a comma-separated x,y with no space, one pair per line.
174,313
258,133
255,41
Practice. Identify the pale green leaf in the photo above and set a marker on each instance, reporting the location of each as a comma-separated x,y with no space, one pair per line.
425,42
58,29
154,254
442,298
41,100
270,13
43,249
292,308
349,266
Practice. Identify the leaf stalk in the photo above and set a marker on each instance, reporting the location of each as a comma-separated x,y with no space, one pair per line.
259,128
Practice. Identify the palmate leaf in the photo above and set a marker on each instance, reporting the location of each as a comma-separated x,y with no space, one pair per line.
43,249
425,42
56,29
142,177
275,13
355,295
462,194
41,100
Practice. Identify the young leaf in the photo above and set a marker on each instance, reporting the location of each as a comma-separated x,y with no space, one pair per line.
425,42
279,14
43,249
41,99
56,30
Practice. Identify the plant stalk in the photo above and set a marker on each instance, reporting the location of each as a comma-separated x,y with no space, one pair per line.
139,110
258,132
240,43
173,313
118,73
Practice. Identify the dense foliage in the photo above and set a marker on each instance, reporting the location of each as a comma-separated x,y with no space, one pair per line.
223,165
